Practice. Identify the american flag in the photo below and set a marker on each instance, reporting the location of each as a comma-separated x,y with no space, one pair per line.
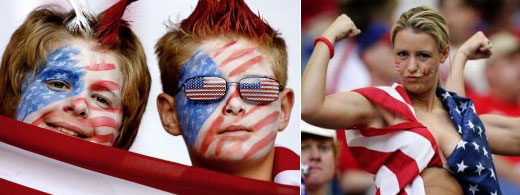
471,161
396,154
259,89
205,88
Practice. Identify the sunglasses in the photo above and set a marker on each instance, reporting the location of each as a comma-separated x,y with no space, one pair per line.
210,88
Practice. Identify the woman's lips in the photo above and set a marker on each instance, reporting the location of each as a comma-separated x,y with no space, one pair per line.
412,79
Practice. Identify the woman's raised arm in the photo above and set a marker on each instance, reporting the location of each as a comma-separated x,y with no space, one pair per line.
341,110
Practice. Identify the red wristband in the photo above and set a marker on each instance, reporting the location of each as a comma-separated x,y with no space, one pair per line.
328,43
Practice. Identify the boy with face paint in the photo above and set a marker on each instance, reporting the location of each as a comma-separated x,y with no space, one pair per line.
224,71
76,75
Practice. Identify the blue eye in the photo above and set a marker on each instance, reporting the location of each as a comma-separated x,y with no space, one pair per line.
58,85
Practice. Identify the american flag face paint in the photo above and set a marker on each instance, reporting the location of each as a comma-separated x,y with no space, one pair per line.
230,129
77,93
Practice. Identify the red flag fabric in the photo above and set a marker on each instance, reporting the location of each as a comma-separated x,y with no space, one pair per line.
28,152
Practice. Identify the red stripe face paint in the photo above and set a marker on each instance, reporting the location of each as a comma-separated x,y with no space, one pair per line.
84,104
237,130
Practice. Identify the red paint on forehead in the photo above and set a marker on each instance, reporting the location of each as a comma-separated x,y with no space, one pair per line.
260,144
104,85
101,67
215,126
246,65
236,55
221,49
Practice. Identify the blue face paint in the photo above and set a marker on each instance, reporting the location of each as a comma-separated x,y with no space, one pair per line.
60,66
192,115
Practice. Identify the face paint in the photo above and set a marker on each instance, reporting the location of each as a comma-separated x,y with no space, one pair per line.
76,93
231,129
192,114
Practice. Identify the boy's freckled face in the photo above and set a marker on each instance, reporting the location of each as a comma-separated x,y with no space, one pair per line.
231,129
77,93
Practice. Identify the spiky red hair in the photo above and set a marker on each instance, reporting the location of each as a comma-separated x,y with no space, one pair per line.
110,24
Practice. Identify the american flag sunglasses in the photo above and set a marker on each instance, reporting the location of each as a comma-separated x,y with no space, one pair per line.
209,88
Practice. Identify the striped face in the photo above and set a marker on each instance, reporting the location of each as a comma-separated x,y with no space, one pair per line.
232,128
77,93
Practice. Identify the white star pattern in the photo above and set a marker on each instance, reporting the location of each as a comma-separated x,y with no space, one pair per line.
479,168
485,152
462,144
461,166
475,145
492,173
473,108
480,131
460,129
474,188
471,125
458,111
464,106
494,193
446,95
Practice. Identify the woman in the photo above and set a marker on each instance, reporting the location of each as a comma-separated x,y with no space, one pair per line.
76,75
411,120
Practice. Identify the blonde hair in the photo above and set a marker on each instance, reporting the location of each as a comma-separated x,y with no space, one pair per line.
424,19
43,30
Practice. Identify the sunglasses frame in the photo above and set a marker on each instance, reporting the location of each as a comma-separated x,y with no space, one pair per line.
280,88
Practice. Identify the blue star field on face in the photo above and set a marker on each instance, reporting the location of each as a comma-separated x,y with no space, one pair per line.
191,114
47,86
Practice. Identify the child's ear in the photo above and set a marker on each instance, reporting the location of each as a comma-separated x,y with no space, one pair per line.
168,113
287,102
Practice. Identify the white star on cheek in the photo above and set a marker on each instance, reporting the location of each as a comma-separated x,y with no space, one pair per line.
461,166
479,168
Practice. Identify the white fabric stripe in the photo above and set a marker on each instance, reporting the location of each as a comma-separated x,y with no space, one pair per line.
56,177
386,181
288,177
393,92
416,187
412,144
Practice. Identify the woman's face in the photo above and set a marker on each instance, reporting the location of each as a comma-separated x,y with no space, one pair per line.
417,60
77,93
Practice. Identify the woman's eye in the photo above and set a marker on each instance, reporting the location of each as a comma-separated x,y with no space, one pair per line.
58,85
102,101
424,56
401,54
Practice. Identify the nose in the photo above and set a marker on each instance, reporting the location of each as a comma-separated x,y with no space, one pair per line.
79,107
315,154
412,66
234,104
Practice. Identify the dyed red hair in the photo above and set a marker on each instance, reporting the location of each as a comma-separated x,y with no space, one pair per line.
211,19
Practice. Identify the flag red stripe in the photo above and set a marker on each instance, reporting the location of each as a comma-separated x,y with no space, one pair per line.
236,55
221,49
157,173
246,65
101,67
